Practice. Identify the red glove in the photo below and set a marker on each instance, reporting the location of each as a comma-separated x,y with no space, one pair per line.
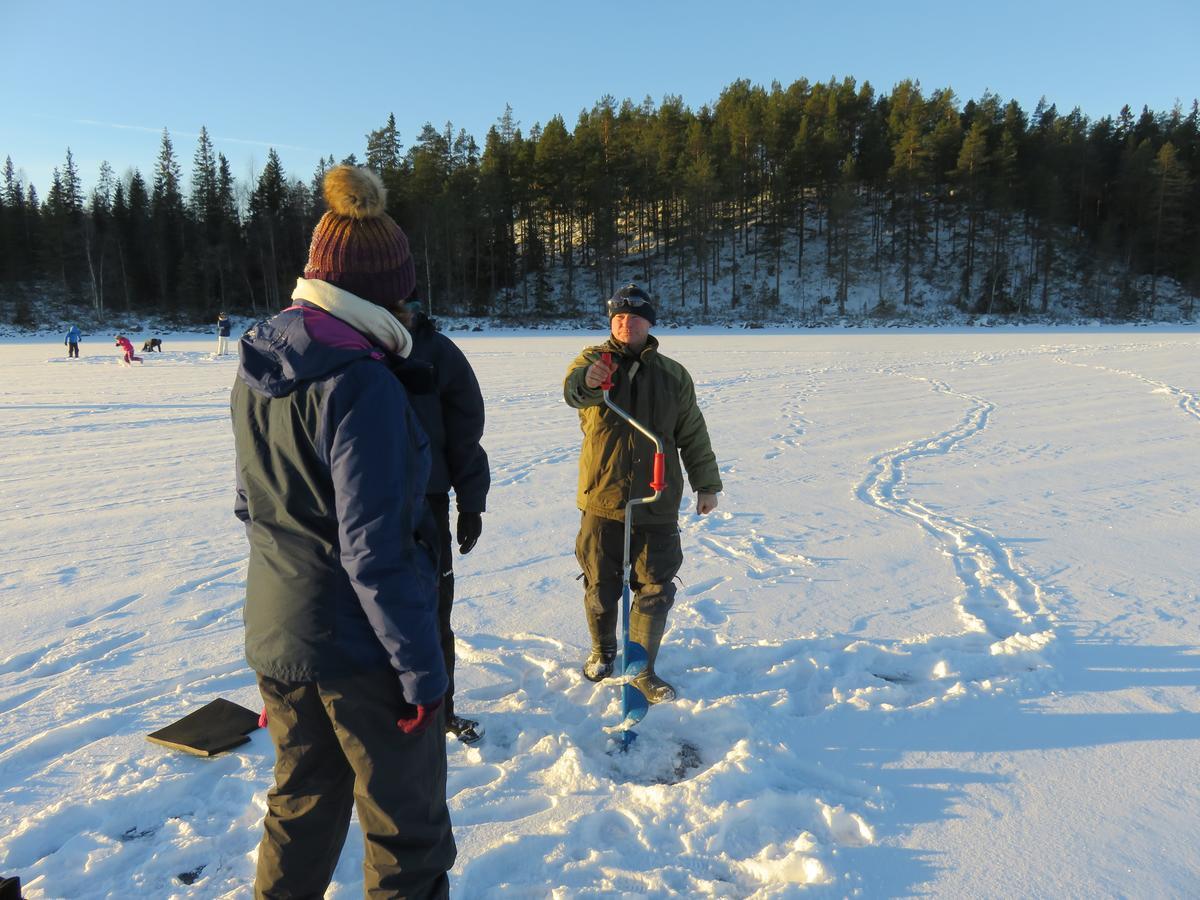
418,718
262,718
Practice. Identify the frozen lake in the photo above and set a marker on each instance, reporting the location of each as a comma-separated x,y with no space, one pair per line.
940,636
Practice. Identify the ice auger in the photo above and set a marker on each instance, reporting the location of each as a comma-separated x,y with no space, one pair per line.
633,655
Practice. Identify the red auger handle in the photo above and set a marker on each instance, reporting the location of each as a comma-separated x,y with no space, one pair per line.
660,472
607,383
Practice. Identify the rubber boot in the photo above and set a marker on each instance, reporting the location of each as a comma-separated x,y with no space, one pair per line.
647,630
599,664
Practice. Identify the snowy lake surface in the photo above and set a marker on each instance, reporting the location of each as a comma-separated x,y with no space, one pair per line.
940,638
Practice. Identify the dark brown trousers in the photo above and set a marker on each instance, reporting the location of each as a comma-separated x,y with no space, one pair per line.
338,748
656,555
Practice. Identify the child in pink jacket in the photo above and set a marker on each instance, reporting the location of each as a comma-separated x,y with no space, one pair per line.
124,344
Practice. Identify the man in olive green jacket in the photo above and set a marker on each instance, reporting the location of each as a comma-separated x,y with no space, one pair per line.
616,464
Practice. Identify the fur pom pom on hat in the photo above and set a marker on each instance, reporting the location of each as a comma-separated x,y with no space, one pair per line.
356,245
354,192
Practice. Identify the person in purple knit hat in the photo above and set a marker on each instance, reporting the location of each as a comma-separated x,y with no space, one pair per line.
341,588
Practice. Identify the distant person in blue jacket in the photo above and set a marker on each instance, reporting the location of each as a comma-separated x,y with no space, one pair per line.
72,341
223,325
341,588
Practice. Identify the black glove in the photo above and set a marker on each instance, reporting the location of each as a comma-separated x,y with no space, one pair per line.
470,526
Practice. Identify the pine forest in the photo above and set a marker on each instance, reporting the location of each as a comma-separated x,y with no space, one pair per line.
807,202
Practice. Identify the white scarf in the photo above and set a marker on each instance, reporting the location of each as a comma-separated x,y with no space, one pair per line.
373,321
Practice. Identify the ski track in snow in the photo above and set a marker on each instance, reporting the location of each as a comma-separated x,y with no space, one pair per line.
1188,400
1006,625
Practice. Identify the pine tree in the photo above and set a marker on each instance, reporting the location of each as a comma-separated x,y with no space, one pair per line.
553,176
942,142
970,173
498,189
428,162
908,171
1173,186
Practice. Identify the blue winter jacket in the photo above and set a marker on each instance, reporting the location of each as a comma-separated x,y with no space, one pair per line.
223,326
73,335
331,468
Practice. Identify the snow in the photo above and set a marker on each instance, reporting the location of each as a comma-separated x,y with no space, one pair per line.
939,638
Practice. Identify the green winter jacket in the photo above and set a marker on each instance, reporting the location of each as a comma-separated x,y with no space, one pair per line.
617,462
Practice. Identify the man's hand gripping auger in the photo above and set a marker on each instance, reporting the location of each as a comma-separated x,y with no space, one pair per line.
633,655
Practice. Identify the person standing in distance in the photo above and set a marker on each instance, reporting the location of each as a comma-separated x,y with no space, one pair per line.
72,341
223,325
616,464
452,414
341,588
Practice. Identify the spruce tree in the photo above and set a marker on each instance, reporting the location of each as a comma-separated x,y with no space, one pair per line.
383,147
136,248
167,224
205,210
98,226
73,238
203,197
14,235
266,227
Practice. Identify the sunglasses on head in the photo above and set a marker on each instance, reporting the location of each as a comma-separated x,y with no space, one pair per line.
633,299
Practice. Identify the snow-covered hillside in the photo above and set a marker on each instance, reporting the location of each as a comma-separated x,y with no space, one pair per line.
940,637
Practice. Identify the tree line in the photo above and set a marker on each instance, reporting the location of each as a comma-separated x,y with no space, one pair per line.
740,193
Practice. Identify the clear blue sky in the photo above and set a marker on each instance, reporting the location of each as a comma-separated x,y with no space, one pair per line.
311,79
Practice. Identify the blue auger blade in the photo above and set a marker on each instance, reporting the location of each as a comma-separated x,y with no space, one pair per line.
633,702
620,740
625,726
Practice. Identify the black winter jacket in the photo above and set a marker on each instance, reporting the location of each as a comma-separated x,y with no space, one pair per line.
331,472
452,414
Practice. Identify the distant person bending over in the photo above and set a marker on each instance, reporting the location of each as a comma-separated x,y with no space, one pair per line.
616,464
452,414
223,326
125,345
74,336
341,592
